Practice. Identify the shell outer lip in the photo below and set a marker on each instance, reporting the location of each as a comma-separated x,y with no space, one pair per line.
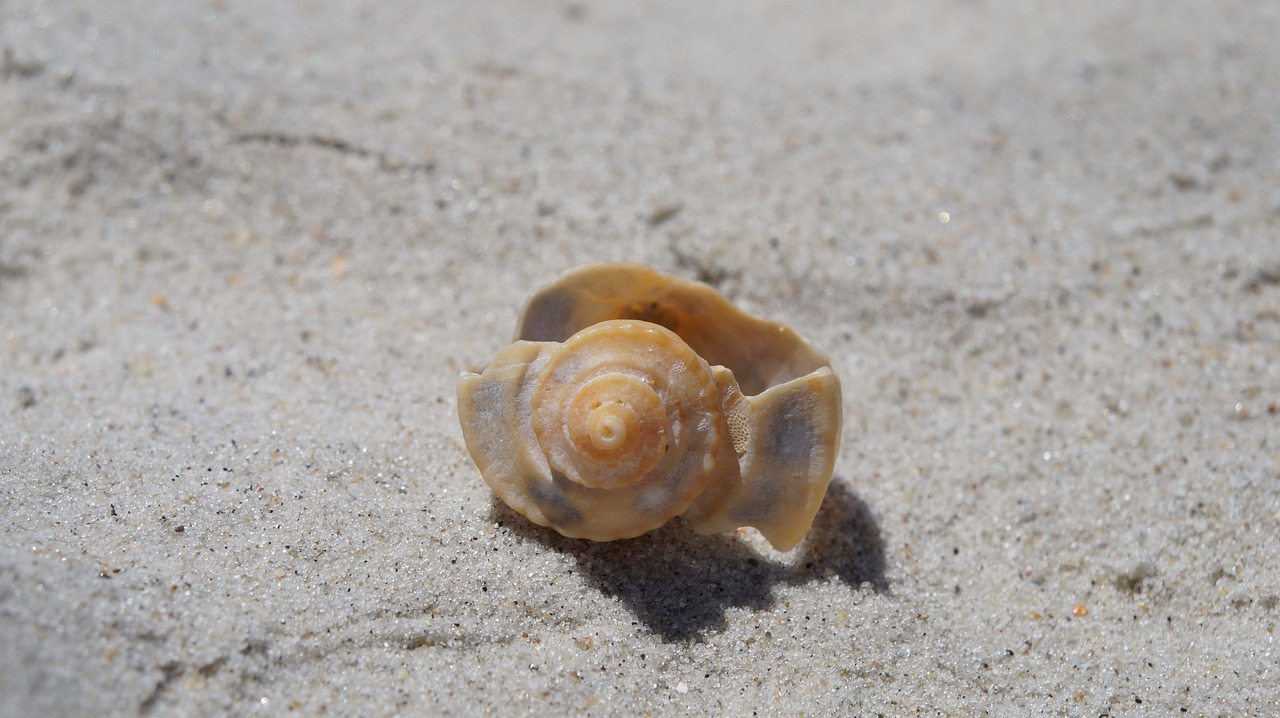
759,352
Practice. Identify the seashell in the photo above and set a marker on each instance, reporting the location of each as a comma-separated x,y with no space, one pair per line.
631,397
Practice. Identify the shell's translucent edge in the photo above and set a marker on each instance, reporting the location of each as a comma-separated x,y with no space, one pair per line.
757,452
760,353
791,436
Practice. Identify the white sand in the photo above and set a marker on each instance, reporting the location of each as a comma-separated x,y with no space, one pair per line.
246,248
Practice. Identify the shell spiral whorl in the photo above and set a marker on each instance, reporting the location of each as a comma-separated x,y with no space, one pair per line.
616,399
607,424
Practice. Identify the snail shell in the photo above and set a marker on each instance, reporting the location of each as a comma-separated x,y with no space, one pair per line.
630,397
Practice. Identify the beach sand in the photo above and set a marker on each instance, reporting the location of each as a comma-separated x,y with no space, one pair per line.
246,250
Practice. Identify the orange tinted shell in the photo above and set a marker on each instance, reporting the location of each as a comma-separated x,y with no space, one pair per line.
631,396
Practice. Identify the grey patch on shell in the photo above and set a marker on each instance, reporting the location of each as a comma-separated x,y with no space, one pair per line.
791,433
654,500
486,403
546,319
489,396
554,504
759,505
657,499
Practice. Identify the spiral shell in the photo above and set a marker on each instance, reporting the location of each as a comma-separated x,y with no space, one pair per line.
631,397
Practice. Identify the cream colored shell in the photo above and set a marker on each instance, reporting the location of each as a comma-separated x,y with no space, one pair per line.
631,397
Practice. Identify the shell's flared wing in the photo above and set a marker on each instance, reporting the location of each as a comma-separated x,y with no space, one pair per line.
786,439
760,353
493,409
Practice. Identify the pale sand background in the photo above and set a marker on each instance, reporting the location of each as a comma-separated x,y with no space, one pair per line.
246,248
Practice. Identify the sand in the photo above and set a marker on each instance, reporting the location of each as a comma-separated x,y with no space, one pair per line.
246,249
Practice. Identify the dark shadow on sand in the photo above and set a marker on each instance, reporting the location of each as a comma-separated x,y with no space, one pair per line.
680,584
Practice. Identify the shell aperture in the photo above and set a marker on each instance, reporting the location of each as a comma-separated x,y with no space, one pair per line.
603,424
